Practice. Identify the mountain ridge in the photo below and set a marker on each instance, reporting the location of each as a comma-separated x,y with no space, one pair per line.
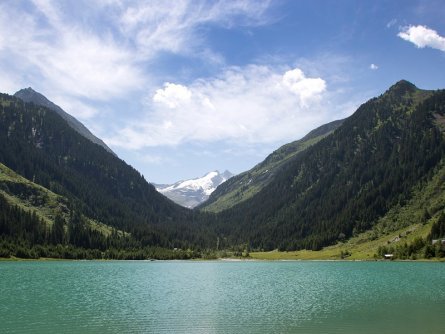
381,170
191,193
342,184
243,186
31,96
38,144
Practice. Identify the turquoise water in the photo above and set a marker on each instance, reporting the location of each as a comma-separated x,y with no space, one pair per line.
222,297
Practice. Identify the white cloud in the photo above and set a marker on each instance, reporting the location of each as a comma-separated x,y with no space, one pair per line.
159,26
172,95
304,88
252,104
76,107
422,36
64,58
373,67
74,51
151,159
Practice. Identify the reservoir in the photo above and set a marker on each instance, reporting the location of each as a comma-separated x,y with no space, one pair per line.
221,297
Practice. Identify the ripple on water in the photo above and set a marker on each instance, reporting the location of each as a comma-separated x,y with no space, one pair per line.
221,297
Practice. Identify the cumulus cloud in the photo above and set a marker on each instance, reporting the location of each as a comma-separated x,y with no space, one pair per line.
373,67
422,36
172,95
304,88
252,104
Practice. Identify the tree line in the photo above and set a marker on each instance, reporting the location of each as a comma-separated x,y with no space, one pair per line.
333,190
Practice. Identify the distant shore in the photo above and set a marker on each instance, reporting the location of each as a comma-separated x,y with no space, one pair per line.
255,258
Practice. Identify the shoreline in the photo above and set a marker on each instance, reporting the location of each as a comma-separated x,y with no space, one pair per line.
227,259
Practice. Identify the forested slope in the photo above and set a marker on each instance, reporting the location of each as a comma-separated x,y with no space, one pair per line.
39,145
63,196
243,186
343,184
30,95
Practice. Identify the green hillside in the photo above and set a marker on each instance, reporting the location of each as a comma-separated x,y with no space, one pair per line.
30,196
364,186
397,232
243,186
39,145
36,222
34,198
342,185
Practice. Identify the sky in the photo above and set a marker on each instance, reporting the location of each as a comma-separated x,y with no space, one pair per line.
180,88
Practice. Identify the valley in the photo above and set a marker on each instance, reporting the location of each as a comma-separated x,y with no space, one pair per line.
350,189
214,166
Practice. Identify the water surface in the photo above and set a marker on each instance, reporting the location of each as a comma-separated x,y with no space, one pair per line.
221,297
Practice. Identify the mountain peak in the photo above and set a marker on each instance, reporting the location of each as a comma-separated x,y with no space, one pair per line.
190,193
227,174
402,87
30,95
29,89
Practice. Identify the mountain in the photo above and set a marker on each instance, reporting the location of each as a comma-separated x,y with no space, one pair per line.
30,95
31,210
39,145
342,185
190,193
378,174
243,186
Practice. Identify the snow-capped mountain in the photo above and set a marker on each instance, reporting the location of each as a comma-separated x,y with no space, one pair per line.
190,193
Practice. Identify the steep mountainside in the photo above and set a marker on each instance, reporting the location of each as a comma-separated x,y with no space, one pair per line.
43,207
30,196
190,193
404,231
39,145
30,95
380,173
344,183
245,185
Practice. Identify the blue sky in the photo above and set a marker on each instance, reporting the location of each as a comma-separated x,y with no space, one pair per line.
180,88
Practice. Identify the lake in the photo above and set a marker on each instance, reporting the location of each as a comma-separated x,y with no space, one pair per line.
221,297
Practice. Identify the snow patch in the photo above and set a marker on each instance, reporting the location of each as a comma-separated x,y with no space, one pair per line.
191,193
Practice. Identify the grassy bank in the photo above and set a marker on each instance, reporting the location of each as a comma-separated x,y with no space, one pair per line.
361,247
